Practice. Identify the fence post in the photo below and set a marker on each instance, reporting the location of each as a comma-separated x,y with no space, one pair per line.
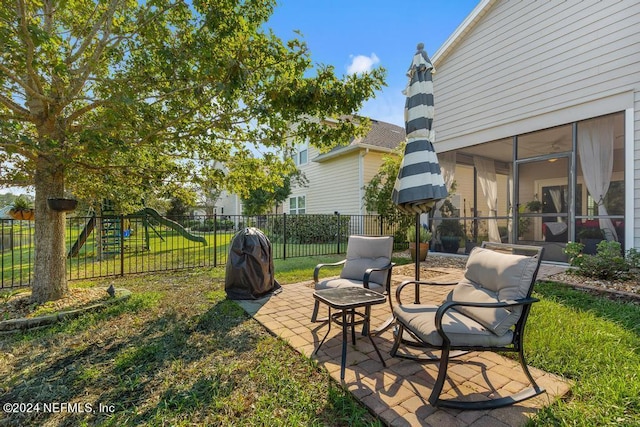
215,238
339,230
284,235
381,225
121,245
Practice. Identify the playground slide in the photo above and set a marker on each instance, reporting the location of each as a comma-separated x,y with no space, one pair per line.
82,238
171,224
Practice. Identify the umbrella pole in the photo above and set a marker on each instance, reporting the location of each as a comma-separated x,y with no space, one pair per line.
417,273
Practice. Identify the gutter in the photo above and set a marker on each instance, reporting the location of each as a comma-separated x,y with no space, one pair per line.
349,149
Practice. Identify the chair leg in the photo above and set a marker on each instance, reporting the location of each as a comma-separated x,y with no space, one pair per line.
442,376
398,339
525,394
525,368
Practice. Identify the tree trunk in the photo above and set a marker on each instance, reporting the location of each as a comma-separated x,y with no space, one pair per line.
50,268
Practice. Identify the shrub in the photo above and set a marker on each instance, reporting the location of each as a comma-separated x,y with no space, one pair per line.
425,235
191,223
225,225
311,228
208,225
608,263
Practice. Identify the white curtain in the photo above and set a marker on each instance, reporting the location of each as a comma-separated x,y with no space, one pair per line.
448,168
556,198
595,149
487,177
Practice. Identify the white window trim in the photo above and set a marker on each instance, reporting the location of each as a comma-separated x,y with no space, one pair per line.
297,198
302,147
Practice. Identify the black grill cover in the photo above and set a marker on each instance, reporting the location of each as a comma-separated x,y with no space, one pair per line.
250,272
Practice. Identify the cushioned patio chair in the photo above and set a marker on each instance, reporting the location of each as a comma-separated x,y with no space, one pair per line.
367,264
486,311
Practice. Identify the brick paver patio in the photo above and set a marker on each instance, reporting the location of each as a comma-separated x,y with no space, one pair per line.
399,392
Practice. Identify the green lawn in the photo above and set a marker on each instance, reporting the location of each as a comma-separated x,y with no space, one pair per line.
595,342
179,353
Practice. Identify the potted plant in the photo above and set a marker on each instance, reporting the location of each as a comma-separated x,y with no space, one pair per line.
450,232
534,205
61,204
423,245
590,237
22,209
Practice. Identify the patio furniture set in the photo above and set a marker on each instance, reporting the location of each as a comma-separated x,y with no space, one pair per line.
485,311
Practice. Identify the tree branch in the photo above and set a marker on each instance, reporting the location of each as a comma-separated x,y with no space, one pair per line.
28,89
80,82
80,112
19,150
13,106
106,17
22,11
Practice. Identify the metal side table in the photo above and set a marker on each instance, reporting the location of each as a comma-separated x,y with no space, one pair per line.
347,300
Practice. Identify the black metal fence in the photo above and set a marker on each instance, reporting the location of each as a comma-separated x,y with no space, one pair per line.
148,242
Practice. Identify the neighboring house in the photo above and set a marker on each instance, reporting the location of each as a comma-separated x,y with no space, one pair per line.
540,101
228,204
336,179
4,212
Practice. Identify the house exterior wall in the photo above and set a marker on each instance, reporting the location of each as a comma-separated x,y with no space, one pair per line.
526,66
332,185
228,204
336,184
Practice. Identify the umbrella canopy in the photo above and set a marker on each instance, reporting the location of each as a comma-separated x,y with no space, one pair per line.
420,183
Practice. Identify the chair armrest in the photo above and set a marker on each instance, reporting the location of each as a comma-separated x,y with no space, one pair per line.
369,271
450,304
420,283
316,271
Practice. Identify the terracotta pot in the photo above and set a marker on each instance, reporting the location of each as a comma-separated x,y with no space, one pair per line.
23,214
424,249
62,205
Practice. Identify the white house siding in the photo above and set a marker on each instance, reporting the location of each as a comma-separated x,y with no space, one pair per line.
332,184
530,65
337,184
228,204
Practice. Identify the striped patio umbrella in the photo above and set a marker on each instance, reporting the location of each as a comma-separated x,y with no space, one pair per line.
420,183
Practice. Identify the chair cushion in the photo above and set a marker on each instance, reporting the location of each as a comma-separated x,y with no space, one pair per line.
364,252
492,276
345,283
460,329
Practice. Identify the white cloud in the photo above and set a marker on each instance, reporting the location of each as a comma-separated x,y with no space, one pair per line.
362,63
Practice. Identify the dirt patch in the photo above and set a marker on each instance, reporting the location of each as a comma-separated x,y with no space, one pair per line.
17,304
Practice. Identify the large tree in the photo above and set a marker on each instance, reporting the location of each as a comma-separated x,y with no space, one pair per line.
115,98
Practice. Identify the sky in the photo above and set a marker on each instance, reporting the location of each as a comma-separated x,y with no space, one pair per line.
356,35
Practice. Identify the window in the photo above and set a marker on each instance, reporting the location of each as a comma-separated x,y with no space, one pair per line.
302,154
297,205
